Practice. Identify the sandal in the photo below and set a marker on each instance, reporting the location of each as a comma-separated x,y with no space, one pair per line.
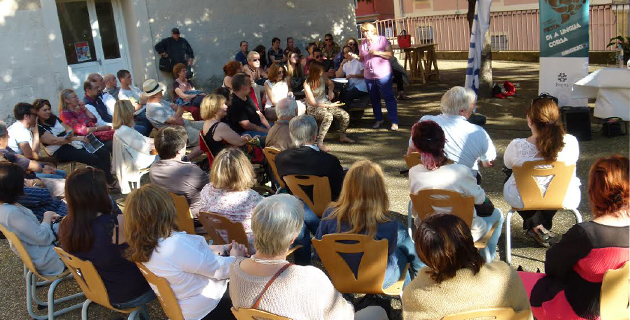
538,236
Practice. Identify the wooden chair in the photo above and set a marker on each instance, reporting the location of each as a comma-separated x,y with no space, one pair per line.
533,199
252,314
412,159
321,191
613,302
184,216
32,275
165,294
492,313
371,273
213,223
461,206
270,154
92,285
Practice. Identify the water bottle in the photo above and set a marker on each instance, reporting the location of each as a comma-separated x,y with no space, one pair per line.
619,56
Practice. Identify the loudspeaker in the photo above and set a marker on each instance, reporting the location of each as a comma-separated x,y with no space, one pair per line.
577,121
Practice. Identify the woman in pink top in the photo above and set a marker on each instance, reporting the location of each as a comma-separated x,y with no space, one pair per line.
375,52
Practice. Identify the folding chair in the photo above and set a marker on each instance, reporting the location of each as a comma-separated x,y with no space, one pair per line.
213,222
533,199
184,216
92,285
252,314
165,293
371,273
492,313
321,191
31,275
464,207
270,154
613,302
412,159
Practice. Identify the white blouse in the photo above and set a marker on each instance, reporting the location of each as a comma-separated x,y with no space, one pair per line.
521,150
131,153
279,90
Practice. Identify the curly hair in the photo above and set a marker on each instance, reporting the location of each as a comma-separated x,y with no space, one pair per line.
178,68
231,68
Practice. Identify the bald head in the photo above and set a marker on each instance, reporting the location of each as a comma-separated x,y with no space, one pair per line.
110,80
97,79
286,109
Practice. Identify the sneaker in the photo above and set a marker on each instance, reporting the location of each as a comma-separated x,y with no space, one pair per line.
394,127
540,238
377,124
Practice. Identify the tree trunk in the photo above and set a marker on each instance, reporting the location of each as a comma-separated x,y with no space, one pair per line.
485,73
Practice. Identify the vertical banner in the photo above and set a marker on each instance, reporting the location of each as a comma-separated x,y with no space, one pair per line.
563,48
479,28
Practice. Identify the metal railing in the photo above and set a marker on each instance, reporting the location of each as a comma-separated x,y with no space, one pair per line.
509,30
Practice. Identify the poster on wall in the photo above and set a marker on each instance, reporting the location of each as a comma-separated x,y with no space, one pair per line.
83,51
563,48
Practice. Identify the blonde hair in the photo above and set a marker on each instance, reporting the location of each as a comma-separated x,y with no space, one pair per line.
149,215
232,170
363,202
63,95
210,105
123,114
368,28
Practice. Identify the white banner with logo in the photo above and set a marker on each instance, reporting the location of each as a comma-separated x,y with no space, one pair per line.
479,28
557,76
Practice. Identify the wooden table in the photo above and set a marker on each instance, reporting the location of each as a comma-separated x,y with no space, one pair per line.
420,64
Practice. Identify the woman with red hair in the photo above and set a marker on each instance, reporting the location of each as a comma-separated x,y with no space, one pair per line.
575,266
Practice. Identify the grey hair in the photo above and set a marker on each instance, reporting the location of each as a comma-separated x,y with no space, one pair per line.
276,220
108,76
456,99
251,54
286,108
3,129
302,129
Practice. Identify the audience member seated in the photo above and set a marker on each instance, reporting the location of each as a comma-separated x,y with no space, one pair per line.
75,115
466,143
291,47
297,292
456,279
279,136
38,238
260,49
163,114
549,142
351,69
185,94
319,105
230,69
111,87
275,54
230,192
253,68
363,208
24,140
295,73
328,65
105,97
354,48
305,62
575,266
132,151
61,142
197,273
95,104
218,134
307,159
243,115
436,173
137,99
241,55
92,231
276,88
329,48
174,174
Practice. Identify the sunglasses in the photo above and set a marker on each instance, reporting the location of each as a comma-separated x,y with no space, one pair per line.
255,59
328,39
352,44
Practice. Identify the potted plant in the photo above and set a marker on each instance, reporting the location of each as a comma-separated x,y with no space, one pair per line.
625,45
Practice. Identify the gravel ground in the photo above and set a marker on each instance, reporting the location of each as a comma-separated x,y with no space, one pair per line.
506,121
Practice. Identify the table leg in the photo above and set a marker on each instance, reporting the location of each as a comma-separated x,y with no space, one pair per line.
420,53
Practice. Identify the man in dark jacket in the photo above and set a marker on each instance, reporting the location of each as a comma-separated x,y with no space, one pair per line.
177,48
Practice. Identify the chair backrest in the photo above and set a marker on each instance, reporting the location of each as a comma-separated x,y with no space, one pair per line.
492,313
461,206
254,314
412,159
213,222
613,303
204,147
533,199
87,277
184,216
270,154
321,191
165,294
21,250
371,271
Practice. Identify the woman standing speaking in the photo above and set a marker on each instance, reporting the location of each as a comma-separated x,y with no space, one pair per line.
375,53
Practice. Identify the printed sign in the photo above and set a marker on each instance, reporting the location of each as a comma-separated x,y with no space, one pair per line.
83,51
564,28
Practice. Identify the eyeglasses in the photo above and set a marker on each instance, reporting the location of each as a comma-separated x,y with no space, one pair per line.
352,44
255,59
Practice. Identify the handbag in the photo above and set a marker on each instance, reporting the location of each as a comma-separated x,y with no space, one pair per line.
166,64
611,127
404,39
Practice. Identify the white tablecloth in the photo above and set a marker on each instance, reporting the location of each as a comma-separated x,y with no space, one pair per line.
611,88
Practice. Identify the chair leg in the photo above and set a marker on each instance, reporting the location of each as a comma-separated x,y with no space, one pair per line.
84,309
487,256
578,216
508,236
410,224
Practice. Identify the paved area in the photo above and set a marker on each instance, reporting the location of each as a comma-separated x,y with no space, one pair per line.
506,121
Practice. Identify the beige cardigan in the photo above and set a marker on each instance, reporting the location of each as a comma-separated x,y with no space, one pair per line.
496,285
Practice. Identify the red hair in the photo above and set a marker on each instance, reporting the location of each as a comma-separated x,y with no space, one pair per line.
608,186
231,68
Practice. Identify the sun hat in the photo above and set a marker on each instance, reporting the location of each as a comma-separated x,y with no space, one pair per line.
151,87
